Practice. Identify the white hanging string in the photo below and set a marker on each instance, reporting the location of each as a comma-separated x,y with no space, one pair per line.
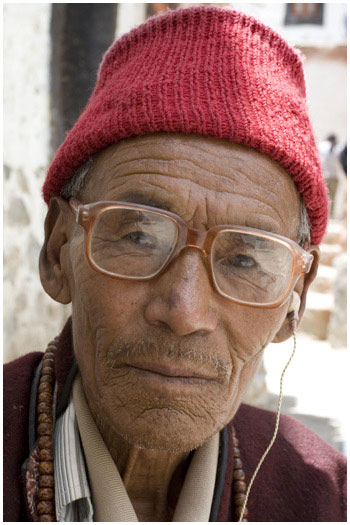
275,432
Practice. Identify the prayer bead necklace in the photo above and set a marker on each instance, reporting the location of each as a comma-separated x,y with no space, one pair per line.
46,497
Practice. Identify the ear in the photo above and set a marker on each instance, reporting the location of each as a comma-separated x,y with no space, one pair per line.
51,261
301,288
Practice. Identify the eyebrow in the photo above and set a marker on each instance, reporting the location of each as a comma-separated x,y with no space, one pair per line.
139,198
265,226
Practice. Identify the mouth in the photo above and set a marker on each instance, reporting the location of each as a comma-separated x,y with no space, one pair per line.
170,372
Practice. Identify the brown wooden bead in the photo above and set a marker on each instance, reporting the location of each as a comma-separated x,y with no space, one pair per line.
50,354
236,452
237,463
47,369
239,486
45,467
44,408
46,379
48,362
45,442
46,481
233,432
45,429
239,499
238,474
44,387
45,397
45,418
46,494
45,507
46,454
235,442
47,517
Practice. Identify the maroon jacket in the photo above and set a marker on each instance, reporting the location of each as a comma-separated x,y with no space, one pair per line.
302,478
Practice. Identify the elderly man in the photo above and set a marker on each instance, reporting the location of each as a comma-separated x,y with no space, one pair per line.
185,211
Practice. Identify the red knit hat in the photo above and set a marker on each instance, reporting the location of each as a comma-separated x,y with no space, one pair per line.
205,70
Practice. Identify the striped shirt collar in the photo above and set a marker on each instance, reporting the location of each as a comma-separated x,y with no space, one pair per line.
72,492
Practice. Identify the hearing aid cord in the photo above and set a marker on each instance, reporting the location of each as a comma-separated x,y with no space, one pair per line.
294,322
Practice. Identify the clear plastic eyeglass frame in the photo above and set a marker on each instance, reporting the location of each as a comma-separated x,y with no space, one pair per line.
87,214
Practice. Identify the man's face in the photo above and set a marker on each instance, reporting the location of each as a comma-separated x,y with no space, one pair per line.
127,332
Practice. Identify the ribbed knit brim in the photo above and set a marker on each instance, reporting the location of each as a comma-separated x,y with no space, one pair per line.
205,70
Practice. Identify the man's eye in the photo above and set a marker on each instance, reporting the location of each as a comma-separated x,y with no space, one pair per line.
139,238
241,261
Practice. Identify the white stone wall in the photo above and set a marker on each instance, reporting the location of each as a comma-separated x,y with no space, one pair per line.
326,84
331,33
129,16
30,316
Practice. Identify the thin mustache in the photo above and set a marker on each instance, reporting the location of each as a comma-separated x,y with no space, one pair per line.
120,350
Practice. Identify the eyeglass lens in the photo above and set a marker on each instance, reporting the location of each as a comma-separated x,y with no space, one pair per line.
132,243
251,267
246,266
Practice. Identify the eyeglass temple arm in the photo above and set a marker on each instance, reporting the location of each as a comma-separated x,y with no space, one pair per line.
74,204
308,259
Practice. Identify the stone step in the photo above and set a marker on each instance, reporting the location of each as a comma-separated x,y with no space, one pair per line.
337,328
334,232
329,252
316,317
324,280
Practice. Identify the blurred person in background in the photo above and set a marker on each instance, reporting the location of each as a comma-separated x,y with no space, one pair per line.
185,212
343,158
329,153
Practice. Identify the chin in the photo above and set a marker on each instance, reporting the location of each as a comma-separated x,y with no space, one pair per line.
163,429
162,414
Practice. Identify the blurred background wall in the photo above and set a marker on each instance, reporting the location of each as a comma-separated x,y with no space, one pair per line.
51,56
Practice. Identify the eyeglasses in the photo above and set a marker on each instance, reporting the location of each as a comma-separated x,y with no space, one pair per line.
135,242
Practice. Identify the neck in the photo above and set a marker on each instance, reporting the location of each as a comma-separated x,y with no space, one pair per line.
152,478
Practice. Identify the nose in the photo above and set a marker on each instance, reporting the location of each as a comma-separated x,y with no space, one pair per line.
182,298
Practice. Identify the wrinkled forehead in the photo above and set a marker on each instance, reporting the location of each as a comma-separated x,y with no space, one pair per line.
188,169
